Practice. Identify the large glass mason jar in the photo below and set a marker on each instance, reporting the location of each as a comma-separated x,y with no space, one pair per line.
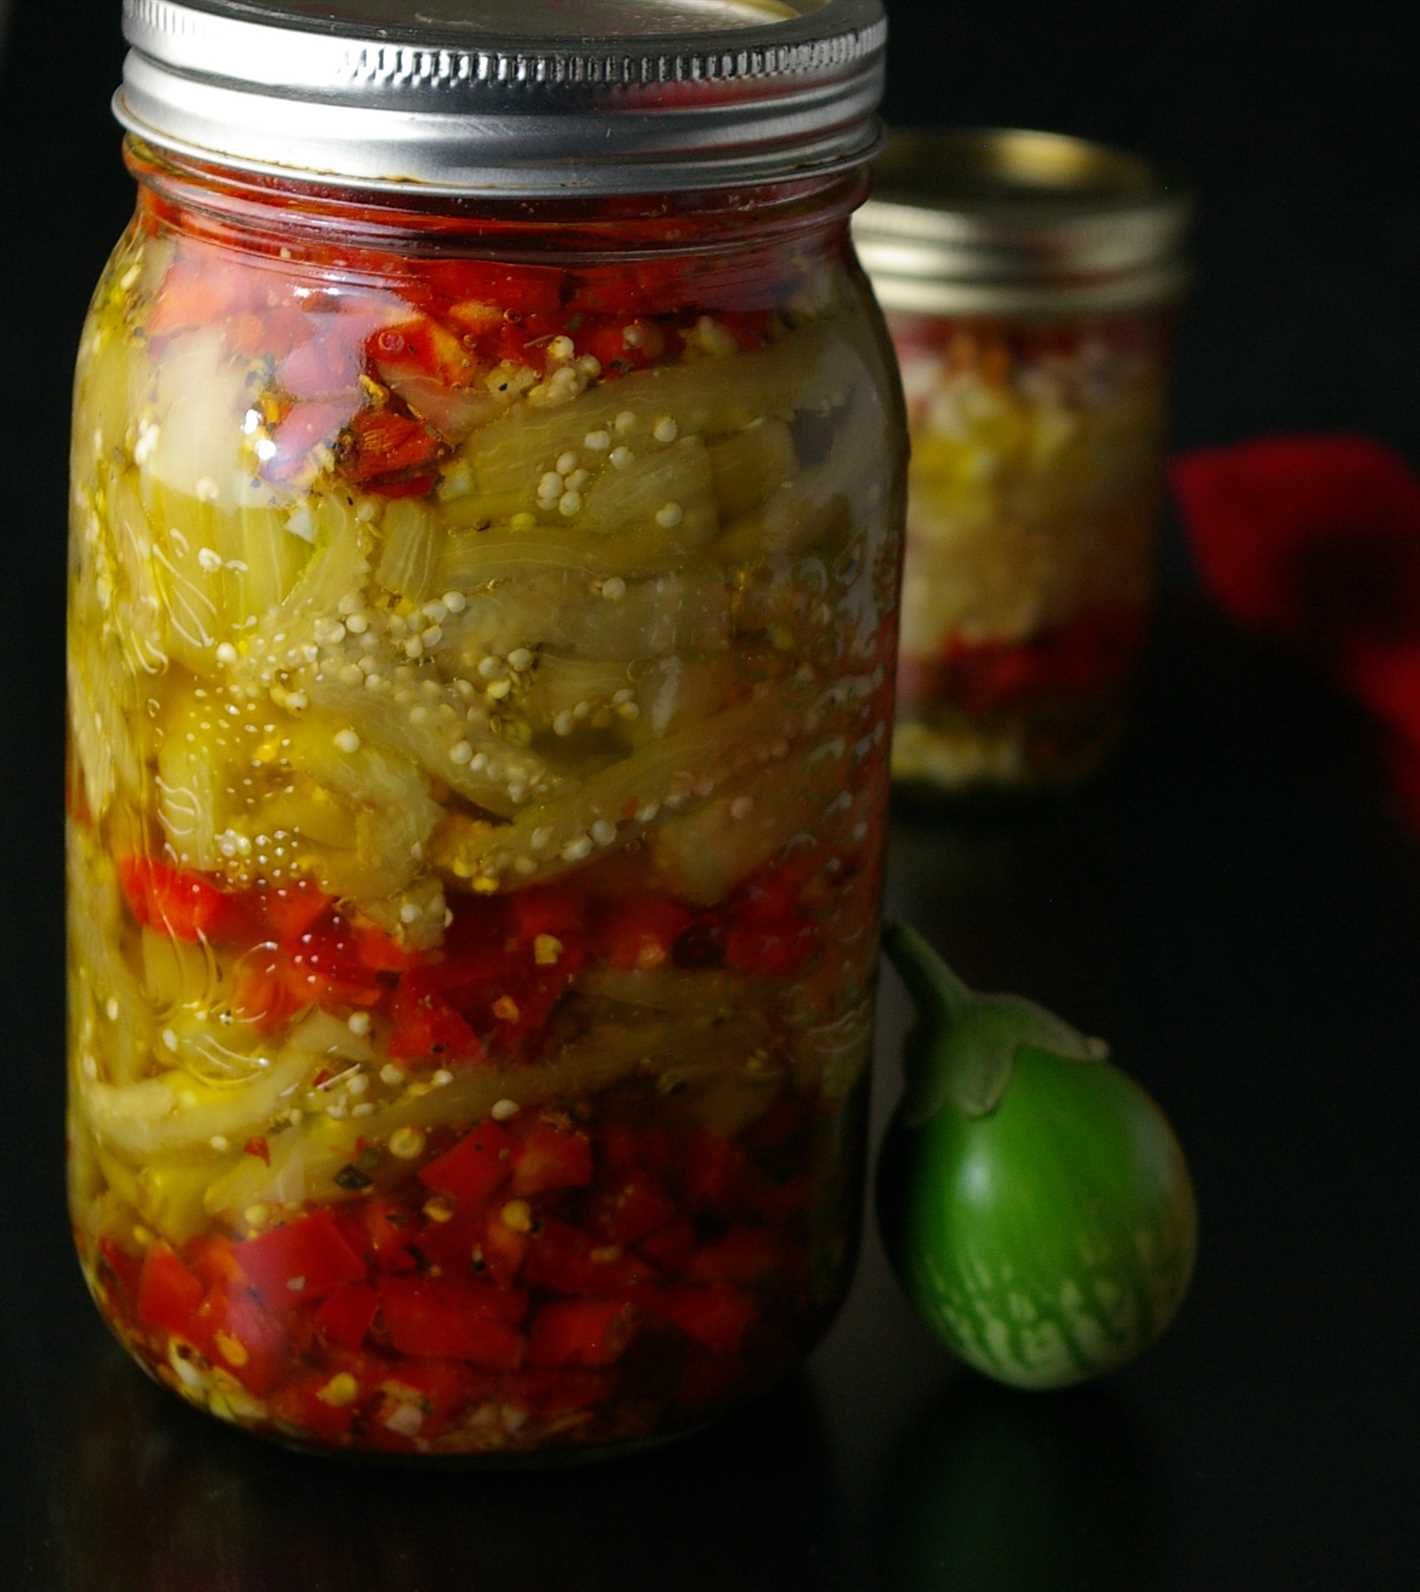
1031,282
485,559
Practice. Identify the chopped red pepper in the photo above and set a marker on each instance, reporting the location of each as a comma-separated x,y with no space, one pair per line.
304,1260
242,1337
383,442
639,932
556,1391
426,1024
744,1255
567,1260
716,1317
476,1167
258,1147
552,1158
300,1404
450,1318
346,1315
628,1208
170,900
168,1294
580,1332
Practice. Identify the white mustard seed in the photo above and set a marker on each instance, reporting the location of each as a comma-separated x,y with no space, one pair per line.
358,1023
461,752
520,659
566,463
669,515
347,741
454,601
625,422
603,832
622,458
614,589
597,441
665,429
503,1110
569,503
391,1075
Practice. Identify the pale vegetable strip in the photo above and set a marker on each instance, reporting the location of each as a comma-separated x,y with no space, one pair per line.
159,1116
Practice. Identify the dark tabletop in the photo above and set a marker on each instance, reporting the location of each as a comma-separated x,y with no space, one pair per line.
1237,907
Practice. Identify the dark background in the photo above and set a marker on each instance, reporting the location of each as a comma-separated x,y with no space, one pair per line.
1238,907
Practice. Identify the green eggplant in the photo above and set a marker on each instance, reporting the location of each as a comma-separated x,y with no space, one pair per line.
1033,1199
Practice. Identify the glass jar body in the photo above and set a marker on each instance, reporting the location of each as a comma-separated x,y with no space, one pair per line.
481,648
1036,483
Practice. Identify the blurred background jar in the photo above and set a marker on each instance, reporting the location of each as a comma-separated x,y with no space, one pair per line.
1030,282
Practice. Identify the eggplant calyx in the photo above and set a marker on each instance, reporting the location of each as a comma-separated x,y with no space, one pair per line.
962,1049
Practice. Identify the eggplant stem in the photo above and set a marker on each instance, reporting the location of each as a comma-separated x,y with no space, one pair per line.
938,992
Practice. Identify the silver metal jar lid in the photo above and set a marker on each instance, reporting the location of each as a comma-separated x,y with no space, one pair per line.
1002,221
511,97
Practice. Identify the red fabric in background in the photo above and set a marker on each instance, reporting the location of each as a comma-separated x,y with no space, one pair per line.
1316,540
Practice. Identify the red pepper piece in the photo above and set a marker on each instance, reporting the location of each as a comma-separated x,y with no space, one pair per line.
169,1296
420,347
712,1170
426,1024
671,1247
124,1269
744,1255
441,1389
580,1332
346,1316
524,289
382,1230
293,909
304,1260
503,1249
770,950
381,952
322,967
300,1404
406,487
551,1158
453,1245
476,1167
451,1319
628,1208
557,910
213,1259
381,442
716,1317
639,933
258,1146
243,1338
170,900
567,1260
552,1391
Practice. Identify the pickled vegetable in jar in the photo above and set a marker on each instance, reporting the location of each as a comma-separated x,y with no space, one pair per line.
1031,282
481,655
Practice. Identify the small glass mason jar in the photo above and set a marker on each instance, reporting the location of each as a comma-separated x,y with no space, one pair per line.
487,496
1030,282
